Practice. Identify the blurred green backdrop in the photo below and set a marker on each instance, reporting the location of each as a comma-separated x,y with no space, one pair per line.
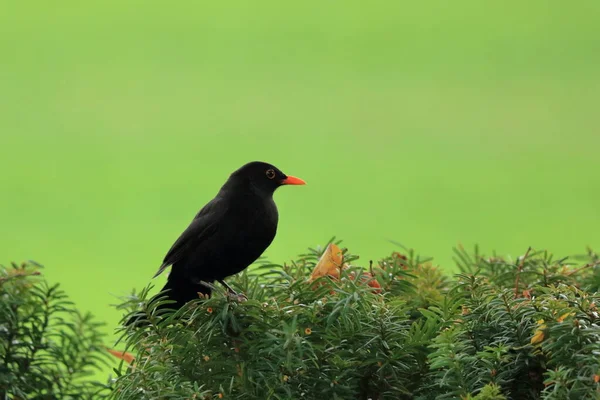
429,123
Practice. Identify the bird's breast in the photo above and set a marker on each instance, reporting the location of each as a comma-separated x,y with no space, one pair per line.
253,221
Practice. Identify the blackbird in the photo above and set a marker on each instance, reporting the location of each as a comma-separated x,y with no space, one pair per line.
227,235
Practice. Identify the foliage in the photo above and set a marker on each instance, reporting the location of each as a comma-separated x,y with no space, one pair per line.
399,329
499,329
48,350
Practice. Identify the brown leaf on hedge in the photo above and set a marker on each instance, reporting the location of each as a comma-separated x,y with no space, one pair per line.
329,264
539,335
122,355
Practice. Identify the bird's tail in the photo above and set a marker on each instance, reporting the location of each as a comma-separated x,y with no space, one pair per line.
179,290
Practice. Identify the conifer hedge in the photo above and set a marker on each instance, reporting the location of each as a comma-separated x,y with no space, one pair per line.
400,328
48,349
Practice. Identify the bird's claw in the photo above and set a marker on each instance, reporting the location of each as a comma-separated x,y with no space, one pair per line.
241,297
233,294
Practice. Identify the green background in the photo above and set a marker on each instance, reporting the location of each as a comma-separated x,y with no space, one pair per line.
430,123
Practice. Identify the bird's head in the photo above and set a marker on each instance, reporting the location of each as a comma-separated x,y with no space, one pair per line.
263,177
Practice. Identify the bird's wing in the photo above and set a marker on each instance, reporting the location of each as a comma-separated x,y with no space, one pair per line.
201,228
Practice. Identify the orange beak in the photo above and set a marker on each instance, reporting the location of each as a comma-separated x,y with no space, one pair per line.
292,180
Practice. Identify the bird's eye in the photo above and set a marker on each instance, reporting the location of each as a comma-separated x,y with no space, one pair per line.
270,174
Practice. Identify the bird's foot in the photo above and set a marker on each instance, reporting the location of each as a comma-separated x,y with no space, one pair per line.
241,297
233,294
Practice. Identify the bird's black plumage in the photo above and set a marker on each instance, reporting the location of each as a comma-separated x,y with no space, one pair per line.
228,234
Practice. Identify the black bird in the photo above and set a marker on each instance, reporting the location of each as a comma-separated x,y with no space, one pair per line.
227,235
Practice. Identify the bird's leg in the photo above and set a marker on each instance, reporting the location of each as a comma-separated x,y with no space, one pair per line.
229,288
203,294
206,285
233,293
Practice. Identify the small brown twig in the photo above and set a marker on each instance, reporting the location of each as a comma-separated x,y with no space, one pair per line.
341,266
521,264
576,270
